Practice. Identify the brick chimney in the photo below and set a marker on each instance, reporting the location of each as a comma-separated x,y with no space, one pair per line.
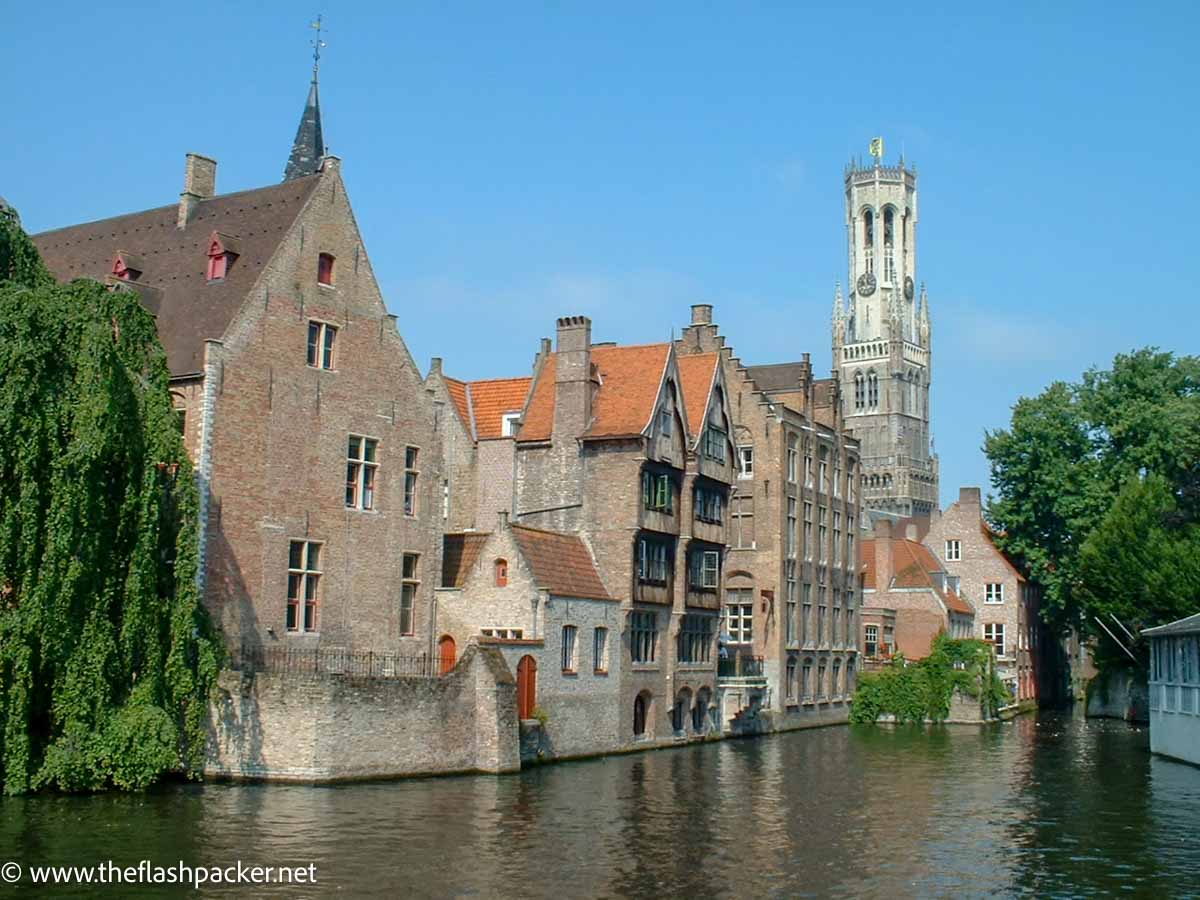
199,183
702,313
435,366
701,335
969,501
572,377
883,554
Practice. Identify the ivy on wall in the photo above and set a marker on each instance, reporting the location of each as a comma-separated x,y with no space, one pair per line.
107,657
921,691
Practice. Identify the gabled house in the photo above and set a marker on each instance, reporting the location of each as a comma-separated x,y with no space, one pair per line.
632,450
314,438
901,574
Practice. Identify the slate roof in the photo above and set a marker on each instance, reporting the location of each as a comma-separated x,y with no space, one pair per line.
777,376
189,309
1189,625
561,563
459,553
309,146
629,381
482,405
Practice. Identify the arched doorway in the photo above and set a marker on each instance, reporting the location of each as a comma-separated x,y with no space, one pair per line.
679,715
641,705
526,687
447,651
700,712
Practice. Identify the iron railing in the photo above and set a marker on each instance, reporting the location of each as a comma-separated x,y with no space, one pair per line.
335,661
740,665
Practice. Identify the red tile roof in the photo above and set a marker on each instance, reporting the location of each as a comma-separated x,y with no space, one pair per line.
629,381
483,404
913,566
459,554
458,395
189,309
696,372
561,563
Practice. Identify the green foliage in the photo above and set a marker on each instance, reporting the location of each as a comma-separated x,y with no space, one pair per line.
1064,462
921,691
107,657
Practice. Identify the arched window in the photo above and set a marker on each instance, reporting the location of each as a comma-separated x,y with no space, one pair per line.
526,686
860,391
502,573
793,458
868,229
872,390
641,705
325,269
889,221
791,678
700,712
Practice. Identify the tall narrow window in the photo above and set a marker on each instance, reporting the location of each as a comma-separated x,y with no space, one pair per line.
705,570
793,458
410,481
806,614
695,639
823,471
501,569
568,649
739,616
993,633
643,636
860,391
868,228
321,340
600,651
871,640
808,464
791,678
872,390
745,462
408,591
325,264
304,580
360,472
789,575
653,565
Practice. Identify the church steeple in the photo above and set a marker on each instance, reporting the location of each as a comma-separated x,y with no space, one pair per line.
309,146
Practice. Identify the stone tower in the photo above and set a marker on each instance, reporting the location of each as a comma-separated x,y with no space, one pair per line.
881,342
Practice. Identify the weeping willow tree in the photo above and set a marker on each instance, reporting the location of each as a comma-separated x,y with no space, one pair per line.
107,657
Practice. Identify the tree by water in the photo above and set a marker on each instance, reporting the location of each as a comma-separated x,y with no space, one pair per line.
1098,493
107,657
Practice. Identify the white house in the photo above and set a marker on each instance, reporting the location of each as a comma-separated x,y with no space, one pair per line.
1175,689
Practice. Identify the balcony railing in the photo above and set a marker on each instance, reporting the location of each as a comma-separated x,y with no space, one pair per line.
740,665
334,661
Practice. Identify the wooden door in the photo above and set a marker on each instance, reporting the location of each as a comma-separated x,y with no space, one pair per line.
526,687
446,654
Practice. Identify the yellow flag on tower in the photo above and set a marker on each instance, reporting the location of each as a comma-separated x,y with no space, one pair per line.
877,147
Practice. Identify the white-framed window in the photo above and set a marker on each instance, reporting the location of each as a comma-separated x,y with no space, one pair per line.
953,551
705,570
509,423
739,615
789,575
600,650
508,634
568,648
993,633
871,640
745,458
793,459
993,593
361,464
653,563
657,491
790,538
321,340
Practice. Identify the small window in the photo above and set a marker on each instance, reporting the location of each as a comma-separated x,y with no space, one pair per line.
705,574
502,573
360,472
657,492
304,579
410,481
568,649
993,593
325,269
953,551
321,340
509,424
600,651
745,462
408,592
714,443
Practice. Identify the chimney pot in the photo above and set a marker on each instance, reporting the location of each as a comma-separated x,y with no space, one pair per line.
702,313
969,496
435,366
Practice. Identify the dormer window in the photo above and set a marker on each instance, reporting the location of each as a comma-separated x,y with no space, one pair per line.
222,251
126,266
325,269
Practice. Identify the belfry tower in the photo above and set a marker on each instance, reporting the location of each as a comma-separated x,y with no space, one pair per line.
881,340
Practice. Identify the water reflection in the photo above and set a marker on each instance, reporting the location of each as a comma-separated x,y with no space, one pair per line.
1052,806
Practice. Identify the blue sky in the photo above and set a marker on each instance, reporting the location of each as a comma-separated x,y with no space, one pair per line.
512,163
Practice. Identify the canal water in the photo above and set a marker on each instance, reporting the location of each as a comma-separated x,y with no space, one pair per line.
1046,806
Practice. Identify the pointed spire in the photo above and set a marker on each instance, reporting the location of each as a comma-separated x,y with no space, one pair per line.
838,310
309,146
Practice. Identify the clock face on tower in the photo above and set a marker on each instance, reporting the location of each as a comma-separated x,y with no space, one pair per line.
866,284
908,287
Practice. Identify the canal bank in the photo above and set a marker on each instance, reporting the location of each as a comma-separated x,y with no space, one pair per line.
1047,805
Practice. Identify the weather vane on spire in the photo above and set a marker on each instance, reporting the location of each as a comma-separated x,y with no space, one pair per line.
317,44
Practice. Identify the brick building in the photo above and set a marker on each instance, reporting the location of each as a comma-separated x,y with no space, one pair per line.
902,576
791,586
1006,603
314,437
